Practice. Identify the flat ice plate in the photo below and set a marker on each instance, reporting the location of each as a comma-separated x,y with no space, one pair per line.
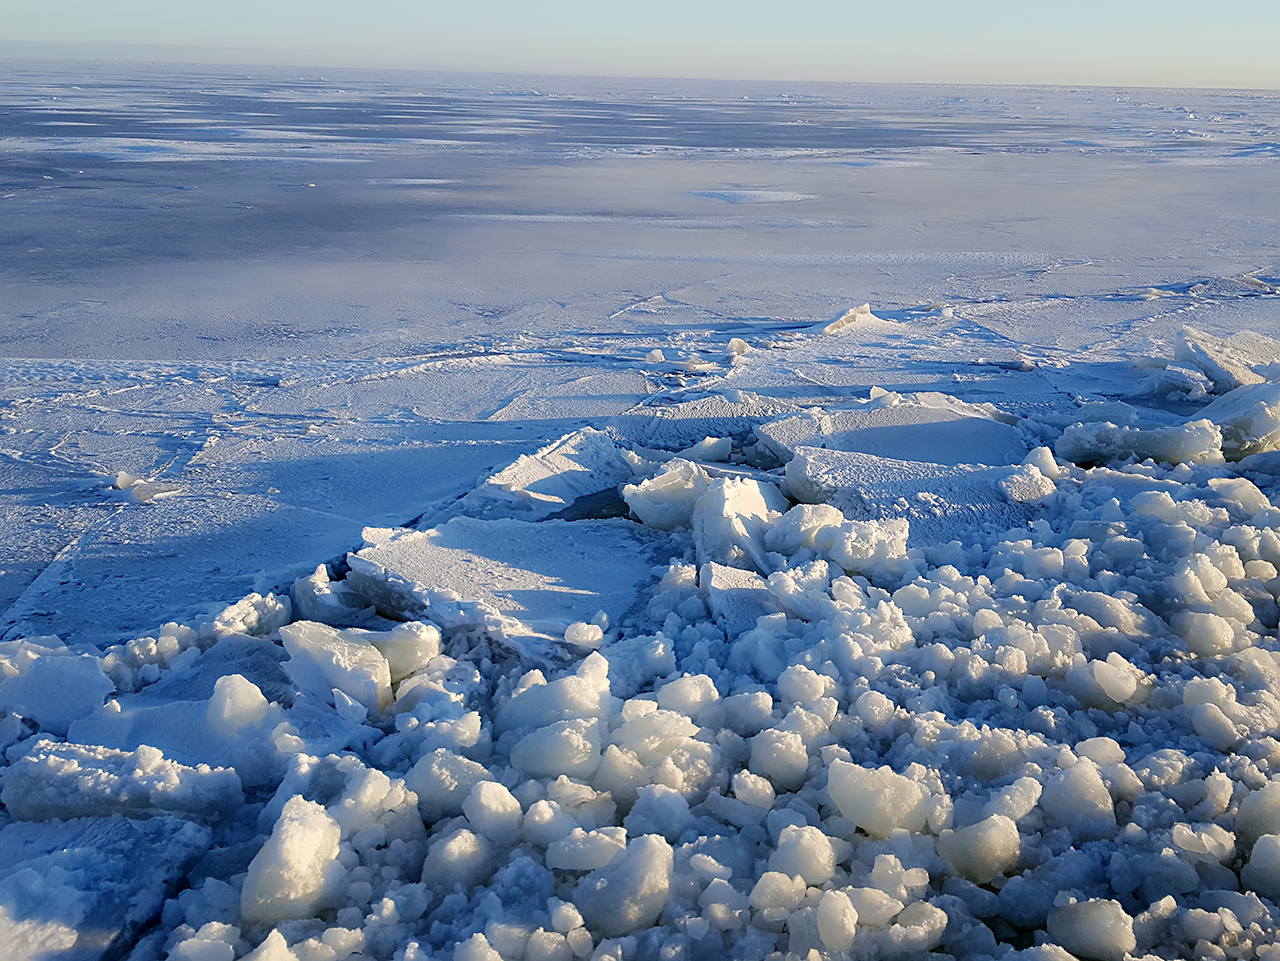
545,576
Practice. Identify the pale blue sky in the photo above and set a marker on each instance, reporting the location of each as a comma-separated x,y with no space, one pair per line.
1230,43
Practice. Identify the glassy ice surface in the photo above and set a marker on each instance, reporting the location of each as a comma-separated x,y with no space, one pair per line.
540,367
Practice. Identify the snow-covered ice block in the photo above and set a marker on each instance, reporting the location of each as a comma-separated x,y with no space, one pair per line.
1227,363
1262,872
737,597
1197,442
254,615
317,598
929,427
54,691
837,920
581,850
940,502
667,500
58,780
540,484
535,703
676,427
297,870
83,889
408,647
230,728
524,583
443,781
459,857
1078,799
1027,485
564,748
855,545
806,851
494,812
323,658
730,520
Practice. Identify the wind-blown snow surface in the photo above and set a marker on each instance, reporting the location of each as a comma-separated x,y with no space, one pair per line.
521,544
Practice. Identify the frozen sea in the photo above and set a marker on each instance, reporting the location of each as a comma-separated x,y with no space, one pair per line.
476,517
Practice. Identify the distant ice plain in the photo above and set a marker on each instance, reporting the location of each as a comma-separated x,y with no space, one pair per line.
309,304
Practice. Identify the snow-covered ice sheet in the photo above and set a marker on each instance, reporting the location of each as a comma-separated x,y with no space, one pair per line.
482,519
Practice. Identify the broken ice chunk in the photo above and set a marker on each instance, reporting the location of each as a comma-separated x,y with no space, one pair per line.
928,427
330,602
1198,442
1093,929
255,615
730,519
1078,799
1027,485
878,801
297,870
630,892
1249,418
323,658
982,850
54,780
1229,366
540,484
667,501
56,690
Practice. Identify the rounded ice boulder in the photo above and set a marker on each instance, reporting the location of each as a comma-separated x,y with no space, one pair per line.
628,893
1099,930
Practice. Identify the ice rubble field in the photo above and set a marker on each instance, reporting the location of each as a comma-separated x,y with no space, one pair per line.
666,611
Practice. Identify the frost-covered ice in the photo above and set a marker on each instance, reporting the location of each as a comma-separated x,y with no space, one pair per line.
601,580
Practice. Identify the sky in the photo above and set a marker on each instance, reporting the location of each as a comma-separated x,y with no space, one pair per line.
1163,43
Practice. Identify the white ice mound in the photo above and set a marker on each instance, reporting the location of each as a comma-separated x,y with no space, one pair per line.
1095,929
1198,442
253,615
857,320
878,801
981,851
930,427
540,484
53,780
524,583
857,546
